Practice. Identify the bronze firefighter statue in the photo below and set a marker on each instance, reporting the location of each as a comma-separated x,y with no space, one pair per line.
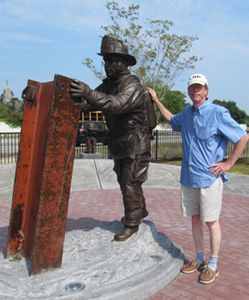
121,99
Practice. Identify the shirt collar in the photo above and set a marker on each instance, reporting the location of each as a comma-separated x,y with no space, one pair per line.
202,107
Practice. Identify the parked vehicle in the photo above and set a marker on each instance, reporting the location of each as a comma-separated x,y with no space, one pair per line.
102,133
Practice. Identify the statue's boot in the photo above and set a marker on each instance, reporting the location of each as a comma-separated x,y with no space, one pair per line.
144,215
125,233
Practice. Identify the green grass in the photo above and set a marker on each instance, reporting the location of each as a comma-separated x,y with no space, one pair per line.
241,167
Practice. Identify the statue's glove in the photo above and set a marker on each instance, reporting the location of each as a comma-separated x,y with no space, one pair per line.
79,89
84,105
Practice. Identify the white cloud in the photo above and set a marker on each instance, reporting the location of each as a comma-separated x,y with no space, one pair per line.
24,37
70,14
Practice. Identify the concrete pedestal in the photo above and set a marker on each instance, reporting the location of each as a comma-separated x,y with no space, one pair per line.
134,269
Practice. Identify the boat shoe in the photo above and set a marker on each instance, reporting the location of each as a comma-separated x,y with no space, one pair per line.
193,266
208,275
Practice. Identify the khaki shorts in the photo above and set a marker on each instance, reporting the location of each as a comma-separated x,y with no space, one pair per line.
205,202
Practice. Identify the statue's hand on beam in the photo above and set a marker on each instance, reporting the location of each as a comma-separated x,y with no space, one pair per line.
79,89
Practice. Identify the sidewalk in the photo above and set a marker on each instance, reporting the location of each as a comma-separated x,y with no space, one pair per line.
87,207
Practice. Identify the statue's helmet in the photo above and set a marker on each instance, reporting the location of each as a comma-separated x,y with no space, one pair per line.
114,47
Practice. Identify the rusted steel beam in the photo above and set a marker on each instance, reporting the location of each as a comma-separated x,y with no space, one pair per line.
43,174
29,168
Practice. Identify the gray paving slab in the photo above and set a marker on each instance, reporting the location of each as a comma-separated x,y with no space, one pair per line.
95,174
159,175
89,174
7,176
85,175
237,184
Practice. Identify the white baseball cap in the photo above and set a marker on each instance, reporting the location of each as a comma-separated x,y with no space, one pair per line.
197,79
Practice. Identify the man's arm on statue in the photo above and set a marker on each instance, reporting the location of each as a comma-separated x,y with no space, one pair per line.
166,114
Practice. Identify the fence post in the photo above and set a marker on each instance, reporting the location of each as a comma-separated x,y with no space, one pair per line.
156,143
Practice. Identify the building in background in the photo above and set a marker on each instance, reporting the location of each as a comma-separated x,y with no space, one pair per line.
7,95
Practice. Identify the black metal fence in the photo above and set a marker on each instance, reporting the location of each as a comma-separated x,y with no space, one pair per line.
165,145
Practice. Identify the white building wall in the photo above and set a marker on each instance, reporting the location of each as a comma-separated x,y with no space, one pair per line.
6,128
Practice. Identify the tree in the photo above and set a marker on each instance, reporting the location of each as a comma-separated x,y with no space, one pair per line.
11,113
237,114
161,56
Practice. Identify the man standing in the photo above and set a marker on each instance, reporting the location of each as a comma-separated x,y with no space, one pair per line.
121,98
206,129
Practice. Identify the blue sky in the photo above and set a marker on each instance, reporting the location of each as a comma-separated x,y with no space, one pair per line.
45,37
